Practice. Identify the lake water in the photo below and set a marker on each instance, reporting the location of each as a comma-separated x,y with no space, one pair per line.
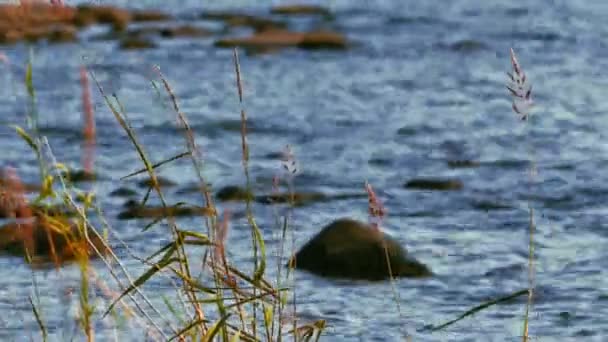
424,85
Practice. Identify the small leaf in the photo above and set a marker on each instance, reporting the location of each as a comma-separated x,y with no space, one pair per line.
268,315
28,80
236,337
188,327
215,329
202,237
28,139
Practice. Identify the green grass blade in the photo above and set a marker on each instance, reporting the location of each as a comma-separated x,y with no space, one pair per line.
215,329
142,279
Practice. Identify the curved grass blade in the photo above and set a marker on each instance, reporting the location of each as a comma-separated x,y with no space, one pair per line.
29,84
481,307
215,329
154,166
28,139
186,328
166,261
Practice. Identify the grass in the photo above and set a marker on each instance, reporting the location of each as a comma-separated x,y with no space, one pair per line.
234,305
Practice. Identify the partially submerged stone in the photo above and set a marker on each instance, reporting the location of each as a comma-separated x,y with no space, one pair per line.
136,211
136,43
123,192
118,18
462,163
165,32
351,249
77,176
232,19
52,33
232,193
467,45
300,10
161,181
434,184
49,240
283,39
149,15
184,31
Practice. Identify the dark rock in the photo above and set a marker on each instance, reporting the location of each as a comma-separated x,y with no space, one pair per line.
351,249
117,17
434,184
149,15
462,163
298,198
300,10
259,24
162,182
135,43
323,40
77,176
236,193
123,192
135,211
163,31
184,31
233,193
49,240
62,34
192,189
486,205
283,39
10,36
467,45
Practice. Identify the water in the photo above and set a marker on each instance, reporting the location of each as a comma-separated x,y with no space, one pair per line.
424,85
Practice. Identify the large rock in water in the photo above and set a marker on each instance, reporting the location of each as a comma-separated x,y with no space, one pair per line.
351,249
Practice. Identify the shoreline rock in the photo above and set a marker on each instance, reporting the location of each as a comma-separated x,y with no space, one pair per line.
49,240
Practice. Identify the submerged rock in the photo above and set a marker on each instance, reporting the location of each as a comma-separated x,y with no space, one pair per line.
49,240
118,18
149,15
462,163
136,43
77,176
466,45
351,249
123,192
233,193
136,211
434,184
231,19
162,182
161,31
300,10
272,39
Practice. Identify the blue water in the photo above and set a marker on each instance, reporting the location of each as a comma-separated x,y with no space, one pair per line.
424,84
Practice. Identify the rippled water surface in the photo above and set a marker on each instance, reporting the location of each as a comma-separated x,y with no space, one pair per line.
424,85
